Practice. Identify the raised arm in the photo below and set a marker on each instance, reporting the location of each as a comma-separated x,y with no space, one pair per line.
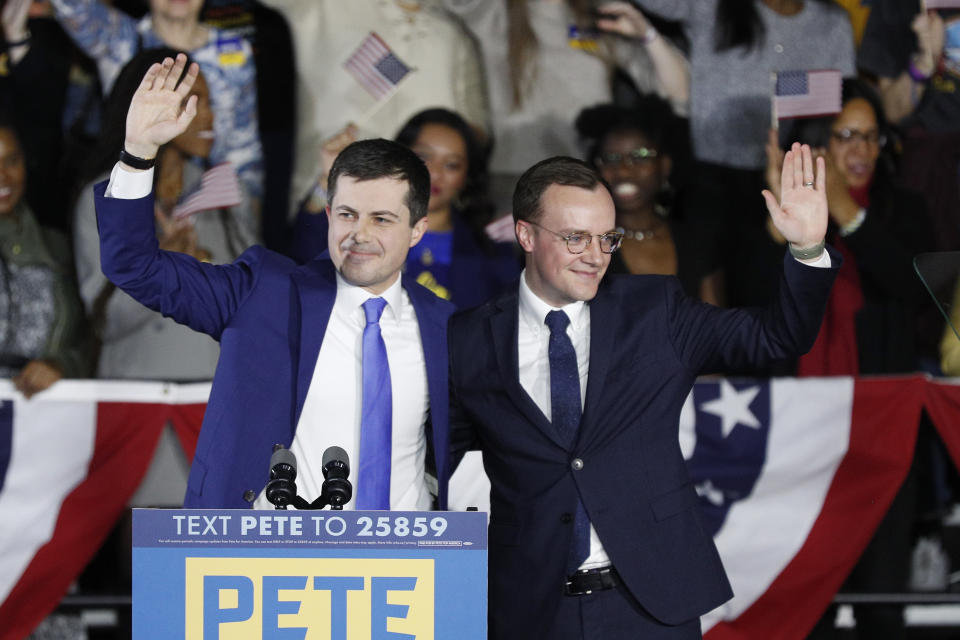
669,66
201,296
160,109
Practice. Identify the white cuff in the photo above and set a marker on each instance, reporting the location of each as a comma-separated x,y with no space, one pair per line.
129,185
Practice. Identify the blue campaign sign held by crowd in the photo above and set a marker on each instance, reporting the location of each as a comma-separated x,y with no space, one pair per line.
342,575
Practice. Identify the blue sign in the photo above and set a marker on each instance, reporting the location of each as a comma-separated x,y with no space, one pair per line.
342,575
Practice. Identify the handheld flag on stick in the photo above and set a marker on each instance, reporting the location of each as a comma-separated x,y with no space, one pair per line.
806,94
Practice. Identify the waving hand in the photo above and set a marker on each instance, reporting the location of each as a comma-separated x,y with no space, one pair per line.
160,110
801,215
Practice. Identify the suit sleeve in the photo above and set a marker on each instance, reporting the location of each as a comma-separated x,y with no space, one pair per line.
463,434
709,339
202,296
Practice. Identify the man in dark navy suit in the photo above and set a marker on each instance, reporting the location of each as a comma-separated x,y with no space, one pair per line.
572,386
308,354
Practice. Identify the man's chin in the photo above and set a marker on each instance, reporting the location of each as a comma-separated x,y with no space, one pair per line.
367,278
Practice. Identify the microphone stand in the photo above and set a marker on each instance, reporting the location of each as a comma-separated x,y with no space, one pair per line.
281,490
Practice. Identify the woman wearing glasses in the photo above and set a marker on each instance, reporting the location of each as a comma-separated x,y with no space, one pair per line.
877,225
635,152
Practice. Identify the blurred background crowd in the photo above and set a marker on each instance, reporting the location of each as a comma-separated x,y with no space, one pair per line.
669,99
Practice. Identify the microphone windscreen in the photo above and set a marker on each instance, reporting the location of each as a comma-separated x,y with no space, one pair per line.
283,456
335,453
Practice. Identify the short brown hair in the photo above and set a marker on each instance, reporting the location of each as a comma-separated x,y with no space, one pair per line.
561,170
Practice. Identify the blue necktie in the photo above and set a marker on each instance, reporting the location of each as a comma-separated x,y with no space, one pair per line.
376,415
565,414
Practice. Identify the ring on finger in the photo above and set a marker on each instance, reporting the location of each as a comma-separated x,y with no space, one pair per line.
808,184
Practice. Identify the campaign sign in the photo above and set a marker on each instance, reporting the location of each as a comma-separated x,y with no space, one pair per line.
309,575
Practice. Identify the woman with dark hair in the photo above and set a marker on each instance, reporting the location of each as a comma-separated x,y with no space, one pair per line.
455,259
112,39
41,318
634,151
877,224
136,342
735,46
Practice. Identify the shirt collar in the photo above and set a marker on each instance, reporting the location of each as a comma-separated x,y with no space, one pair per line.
533,310
353,297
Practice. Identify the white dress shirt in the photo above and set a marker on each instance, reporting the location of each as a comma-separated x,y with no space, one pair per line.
331,410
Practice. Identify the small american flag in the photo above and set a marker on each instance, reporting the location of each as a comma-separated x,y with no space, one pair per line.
802,94
376,67
219,188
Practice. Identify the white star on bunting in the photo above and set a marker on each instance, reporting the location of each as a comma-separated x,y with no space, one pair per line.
733,407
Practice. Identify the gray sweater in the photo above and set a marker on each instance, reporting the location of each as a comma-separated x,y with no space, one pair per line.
138,343
730,90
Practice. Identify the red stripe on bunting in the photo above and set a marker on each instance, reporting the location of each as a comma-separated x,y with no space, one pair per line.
187,419
126,437
883,433
943,407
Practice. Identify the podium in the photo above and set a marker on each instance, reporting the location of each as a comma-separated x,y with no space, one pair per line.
309,575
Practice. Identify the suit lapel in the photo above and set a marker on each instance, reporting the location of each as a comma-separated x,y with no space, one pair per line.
503,326
603,325
316,286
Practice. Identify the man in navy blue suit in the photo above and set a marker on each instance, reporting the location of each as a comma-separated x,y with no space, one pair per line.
572,386
309,353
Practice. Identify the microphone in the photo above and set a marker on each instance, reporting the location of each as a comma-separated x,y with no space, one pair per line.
282,490
336,467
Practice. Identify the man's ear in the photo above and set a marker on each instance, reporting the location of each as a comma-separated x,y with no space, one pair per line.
524,231
419,228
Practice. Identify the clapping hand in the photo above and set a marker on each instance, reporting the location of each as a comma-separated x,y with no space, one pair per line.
801,215
160,110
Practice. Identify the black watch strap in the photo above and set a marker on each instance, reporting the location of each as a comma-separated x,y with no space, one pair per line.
136,162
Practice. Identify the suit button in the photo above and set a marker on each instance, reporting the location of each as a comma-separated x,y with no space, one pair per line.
566,518
576,464
249,495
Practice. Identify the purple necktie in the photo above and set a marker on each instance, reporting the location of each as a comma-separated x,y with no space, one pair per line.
376,417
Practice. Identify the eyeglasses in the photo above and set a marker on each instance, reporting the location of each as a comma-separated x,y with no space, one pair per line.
578,241
640,155
849,136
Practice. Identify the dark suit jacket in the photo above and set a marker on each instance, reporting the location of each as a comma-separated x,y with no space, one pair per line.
648,342
269,316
